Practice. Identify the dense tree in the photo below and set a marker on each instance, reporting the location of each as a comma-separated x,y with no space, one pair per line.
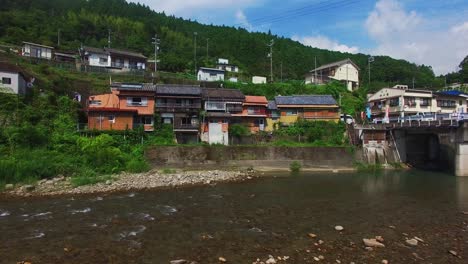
132,25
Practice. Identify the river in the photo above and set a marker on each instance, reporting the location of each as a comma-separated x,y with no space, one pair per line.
245,221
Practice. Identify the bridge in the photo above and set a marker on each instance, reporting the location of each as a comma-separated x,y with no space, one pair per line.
434,144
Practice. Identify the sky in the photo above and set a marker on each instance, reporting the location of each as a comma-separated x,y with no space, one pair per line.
429,32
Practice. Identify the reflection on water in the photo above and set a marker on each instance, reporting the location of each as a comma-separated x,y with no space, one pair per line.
240,221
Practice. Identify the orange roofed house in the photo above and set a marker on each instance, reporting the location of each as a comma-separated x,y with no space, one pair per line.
254,113
129,106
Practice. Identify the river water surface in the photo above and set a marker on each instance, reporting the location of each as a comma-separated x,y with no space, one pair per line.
245,221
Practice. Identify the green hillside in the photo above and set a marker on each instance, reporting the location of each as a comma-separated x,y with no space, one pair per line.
133,25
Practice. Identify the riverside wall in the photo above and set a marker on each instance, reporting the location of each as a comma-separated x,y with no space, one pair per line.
251,156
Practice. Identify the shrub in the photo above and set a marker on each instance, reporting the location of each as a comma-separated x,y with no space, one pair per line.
238,130
137,165
295,166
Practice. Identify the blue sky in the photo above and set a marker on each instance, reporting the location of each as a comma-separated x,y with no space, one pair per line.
430,32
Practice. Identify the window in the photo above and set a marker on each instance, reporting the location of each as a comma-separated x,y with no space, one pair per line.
394,102
186,121
95,102
103,60
111,118
424,101
446,103
410,101
291,112
147,120
6,80
213,74
137,101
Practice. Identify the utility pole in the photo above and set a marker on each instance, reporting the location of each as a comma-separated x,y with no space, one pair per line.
413,83
281,71
207,45
58,38
315,70
370,59
195,51
156,43
109,38
272,42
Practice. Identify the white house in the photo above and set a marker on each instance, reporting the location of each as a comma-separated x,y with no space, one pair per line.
259,79
223,64
12,79
210,74
113,58
345,70
34,50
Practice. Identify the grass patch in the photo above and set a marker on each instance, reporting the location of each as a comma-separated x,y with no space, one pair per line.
397,165
168,171
88,177
137,165
364,167
295,166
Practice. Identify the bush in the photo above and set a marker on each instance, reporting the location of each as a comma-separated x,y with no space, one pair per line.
238,130
137,165
88,176
295,166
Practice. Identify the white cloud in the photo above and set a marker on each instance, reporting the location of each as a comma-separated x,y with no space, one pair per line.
323,42
242,20
407,35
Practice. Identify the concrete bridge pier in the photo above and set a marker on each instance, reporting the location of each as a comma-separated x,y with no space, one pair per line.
461,154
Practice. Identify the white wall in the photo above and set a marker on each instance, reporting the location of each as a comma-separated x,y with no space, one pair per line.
17,86
259,79
206,76
347,72
93,60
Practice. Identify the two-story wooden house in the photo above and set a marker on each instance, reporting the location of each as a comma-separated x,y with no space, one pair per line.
219,107
180,105
254,113
307,107
128,106
346,71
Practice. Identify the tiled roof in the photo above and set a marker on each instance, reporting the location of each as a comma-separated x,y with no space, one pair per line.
305,100
108,51
147,87
256,99
272,105
8,67
177,89
335,64
223,94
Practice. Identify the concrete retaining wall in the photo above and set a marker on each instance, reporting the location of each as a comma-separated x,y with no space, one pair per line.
248,156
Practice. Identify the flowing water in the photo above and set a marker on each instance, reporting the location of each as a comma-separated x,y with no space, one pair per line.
245,221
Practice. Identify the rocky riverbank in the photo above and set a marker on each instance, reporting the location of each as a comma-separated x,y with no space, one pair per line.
129,181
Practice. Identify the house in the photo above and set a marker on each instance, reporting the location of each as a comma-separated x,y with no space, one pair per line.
65,57
307,107
223,64
12,79
38,51
254,113
346,71
400,101
180,105
259,79
273,116
128,106
220,105
210,74
120,60
448,102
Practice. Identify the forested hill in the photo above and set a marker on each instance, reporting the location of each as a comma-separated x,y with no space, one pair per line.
133,25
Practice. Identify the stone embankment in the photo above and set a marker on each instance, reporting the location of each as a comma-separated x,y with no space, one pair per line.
130,181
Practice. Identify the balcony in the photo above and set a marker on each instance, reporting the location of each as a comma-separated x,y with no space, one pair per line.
188,127
176,105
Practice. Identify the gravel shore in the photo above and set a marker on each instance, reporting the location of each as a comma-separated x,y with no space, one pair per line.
130,181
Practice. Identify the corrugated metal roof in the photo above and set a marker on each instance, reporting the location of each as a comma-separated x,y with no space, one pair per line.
8,67
177,89
335,64
210,69
305,100
108,51
38,45
148,87
272,105
453,93
222,94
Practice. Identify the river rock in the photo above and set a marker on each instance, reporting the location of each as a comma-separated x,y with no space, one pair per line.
372,242
270,260
312,235
221,259
178,261
384,261
412,242
9,187
28,188
379,238
339,228
453,252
